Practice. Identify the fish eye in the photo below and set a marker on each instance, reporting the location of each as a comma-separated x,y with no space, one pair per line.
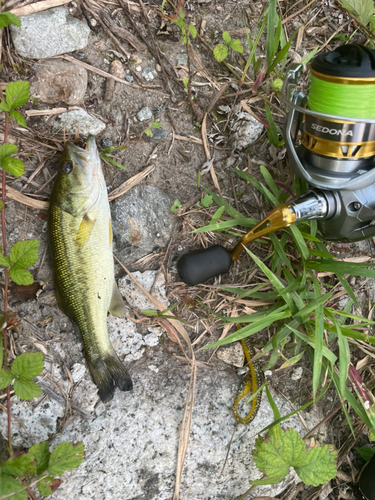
67,167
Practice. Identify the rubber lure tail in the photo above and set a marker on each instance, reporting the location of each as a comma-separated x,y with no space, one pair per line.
251,383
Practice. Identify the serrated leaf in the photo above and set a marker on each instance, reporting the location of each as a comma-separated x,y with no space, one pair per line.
148,131
48,485
293,448
319,466
5,378
66,456
7,149
206,201
23,465
226,37
42,455
362,9
4,261
220,52
21,276
10,486
27,389
24,253
13,166
17,94
27,366
20,119
266,481
267,456
7,18
236,46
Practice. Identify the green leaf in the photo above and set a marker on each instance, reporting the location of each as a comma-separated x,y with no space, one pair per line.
4,106
4,261
156,125
21,276
272,134
236,46
319,466
113,148
13,166
41,453
217,215
362,9
207,200
311,306
220,52
1,205
17,94
7,18
293,360
226,37
5,378
20,119
299,241
7,149
9,486
335,266
371,435
66,456
116,163
267,455
24,253
366,452
271,21
275,410
294,450
175,206
24,465
192,30
28,365
48,485
27,389
310,55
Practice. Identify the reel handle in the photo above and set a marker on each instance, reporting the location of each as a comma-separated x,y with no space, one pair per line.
198,267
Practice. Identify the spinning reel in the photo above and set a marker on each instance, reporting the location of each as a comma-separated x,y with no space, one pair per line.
330,141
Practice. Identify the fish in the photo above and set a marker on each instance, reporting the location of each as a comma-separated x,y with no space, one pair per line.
80,237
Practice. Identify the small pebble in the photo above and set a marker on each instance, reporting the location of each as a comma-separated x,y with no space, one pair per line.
144,114
81,56
106,142
138,68
149,74
93,22
232,354
268,373
158,134
158,68
129,78
106,61
297,373
182,59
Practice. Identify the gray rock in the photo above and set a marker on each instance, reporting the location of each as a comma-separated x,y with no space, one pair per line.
131,444
149,74
149,280
106,142
129,78
158,134
246,130
87,124
57,80
49,33
232,354
182,59
142,222
144,114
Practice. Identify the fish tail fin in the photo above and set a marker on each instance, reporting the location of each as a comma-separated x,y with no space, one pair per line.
108,373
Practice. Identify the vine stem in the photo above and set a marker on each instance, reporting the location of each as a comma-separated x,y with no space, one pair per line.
6,274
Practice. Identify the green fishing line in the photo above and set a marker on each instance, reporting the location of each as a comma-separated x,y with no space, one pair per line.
357,101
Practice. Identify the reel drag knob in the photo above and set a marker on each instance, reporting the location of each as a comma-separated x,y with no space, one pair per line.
197,267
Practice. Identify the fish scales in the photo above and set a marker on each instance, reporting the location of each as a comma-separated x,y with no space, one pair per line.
81,242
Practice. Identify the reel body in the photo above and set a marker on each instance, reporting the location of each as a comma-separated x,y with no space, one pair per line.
335,155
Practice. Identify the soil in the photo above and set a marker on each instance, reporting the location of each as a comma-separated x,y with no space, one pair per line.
177,162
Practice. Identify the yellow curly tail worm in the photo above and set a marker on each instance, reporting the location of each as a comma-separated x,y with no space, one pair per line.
251,383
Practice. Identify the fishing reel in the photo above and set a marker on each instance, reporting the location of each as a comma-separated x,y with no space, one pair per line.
330,141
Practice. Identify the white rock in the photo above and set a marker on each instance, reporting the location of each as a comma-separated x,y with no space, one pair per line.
78,372
232,354
151,339
49,33
149,279
297,373
71,120
246,130
149,74
127,342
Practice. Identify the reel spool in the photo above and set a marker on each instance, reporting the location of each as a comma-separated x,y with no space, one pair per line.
330,140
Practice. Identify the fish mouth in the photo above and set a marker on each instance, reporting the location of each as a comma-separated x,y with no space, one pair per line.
87,157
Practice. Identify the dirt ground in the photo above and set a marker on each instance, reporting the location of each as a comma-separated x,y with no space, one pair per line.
177,161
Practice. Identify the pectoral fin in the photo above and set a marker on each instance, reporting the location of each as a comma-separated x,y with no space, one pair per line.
117,306
84,230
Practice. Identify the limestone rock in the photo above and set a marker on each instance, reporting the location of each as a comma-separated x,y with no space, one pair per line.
71,120
57,80
142,222
149,280
246,130
49,33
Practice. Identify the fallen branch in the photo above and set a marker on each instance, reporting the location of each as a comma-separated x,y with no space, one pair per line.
26,10
54,111
123,33
133,181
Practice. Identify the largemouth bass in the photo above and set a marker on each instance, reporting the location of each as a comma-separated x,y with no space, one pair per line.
80,235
